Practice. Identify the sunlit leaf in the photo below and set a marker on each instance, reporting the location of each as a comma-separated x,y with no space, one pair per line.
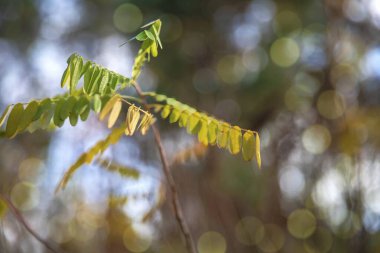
212,130
114,113
192,123
28,115
248,147
222,135
235,140
258,156
4,115
202,134
14,120
174,115
108,107
97,103
165,112
133,116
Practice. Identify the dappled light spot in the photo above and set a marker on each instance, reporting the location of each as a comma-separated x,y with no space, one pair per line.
273,240
292,182
211,242
285,52
316,139
301,223
249,231
127,18
134,242
30,169
331,104
25,196
320,242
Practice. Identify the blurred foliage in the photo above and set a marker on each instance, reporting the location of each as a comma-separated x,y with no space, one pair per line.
305,73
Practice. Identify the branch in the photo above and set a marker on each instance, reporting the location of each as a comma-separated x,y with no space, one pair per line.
21,219
169,178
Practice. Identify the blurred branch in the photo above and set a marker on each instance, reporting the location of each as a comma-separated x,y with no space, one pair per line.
169,178
21,219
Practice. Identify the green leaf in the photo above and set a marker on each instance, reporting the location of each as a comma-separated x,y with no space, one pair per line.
65,77
113,81
149,35
97,103
174,116
4,115
87,79
165,112
80,105
67,107
141,36
14,120
103,82
86,67
156,29
75,70
28,115
93,83
222,134
248,148
212,130
57,113
86,112
73,117
235,140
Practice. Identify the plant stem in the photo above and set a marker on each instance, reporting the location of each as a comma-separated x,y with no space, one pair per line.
21,219
169,178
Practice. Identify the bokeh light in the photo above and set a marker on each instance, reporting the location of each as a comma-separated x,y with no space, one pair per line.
211,242
249,231
25,196
301,223
316,139
274,239
285,52
127,18
331,104
136,243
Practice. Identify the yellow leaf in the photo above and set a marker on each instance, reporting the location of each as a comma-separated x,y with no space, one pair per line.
114,113
258,156
202,134
183,119
174,116
235,140
107,108
133,117
212,129
192,123
222,134
165,111
248,148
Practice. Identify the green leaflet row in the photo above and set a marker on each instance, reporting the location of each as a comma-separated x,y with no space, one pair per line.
209,130
49,112
96,79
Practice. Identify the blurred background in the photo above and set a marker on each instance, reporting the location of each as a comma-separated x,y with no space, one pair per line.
304,73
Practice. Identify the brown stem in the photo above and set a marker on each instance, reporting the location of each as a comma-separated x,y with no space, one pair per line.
169,178
21,219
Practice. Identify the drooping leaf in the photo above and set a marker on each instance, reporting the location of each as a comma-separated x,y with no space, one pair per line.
192,123
258,156
14,120
174,115
57,113
248,148
67,107
222,134
133,116
97,103
154,49
183,119
165,112
212,131
235,140
108,107
202,134
114,113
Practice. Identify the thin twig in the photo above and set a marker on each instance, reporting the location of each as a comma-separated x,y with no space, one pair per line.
21,219
169,177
